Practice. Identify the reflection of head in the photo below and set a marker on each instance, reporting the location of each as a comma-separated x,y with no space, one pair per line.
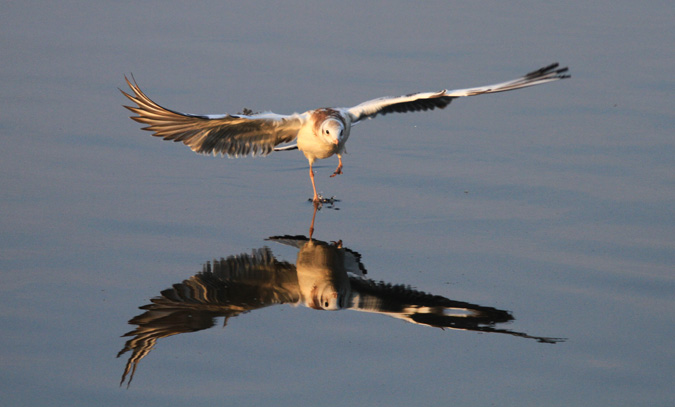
322,276
323,298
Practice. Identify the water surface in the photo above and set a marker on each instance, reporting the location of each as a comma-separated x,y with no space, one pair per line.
549,207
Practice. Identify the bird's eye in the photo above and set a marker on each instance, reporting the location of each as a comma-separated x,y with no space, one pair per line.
327,131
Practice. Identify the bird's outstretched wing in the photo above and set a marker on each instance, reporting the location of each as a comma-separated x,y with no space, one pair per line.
231,135
430,100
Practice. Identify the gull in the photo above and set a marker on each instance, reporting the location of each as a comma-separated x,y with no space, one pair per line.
318,133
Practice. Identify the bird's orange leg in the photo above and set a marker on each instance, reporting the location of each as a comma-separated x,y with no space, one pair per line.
311,176
338,170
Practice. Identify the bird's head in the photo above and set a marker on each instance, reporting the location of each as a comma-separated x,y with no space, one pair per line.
332,131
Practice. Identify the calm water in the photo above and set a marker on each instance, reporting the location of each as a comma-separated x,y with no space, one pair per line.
539,222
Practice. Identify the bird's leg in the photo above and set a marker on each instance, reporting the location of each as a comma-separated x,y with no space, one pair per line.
338,170
311,176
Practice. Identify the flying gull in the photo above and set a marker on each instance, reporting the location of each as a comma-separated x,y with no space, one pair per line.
318,133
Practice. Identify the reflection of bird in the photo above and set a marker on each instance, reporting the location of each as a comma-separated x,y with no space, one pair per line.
320,133
326,276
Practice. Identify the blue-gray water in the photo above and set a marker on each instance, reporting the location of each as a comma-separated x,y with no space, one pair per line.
553,203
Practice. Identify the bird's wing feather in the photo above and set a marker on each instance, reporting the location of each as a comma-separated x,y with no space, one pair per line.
431,100
413,102
231,135
546,74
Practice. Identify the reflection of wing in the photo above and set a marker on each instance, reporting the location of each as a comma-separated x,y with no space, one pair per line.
232,135
414,306
225,288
